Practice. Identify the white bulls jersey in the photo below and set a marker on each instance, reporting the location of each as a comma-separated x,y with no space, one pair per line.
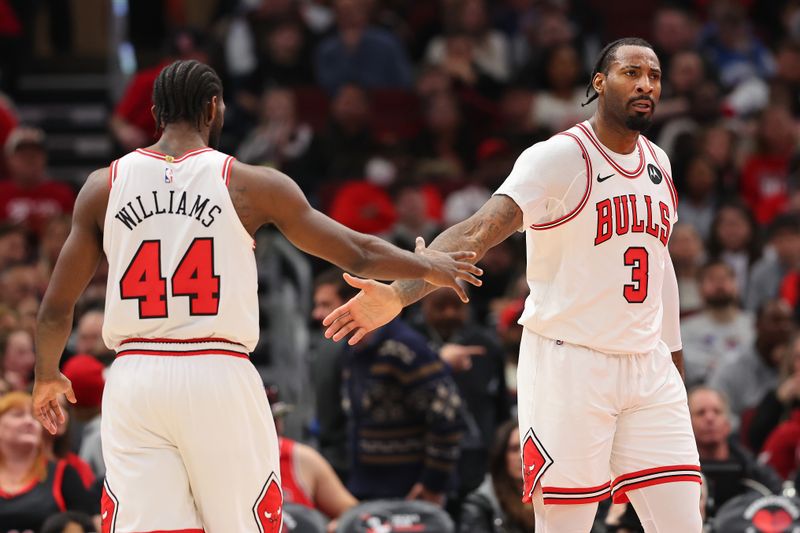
181,264
597,225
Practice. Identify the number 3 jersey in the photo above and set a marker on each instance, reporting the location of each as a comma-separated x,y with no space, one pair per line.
597,225
181,264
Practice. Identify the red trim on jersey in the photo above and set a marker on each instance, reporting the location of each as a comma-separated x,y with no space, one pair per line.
620,496
293,490
650,471
596,142
163,157
180,341
27,488
672,191
58,480
571,496
112,172
574,501
226,170
572,214
179,353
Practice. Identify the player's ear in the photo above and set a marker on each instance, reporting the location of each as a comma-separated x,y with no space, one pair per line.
599,82
211,110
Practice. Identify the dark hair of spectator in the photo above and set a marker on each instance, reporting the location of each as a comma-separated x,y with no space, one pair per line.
715,245
713,263
182,90
56,523
604,60
784,224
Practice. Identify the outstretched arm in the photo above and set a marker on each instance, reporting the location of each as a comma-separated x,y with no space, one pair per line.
74,269
377,303
272,197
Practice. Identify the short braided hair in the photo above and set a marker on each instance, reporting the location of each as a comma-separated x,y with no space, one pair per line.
181,91
607,55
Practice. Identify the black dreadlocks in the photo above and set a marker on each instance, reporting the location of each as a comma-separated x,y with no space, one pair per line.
182,90
607,55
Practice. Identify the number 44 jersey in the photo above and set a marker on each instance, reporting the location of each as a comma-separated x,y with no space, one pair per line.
597,225
181,266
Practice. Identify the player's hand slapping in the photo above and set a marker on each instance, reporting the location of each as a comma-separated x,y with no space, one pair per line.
46,408
378,303
446,268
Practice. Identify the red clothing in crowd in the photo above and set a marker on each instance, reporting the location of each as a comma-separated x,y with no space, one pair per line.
780,450
364,207
293,491
134,107
765,185
34,206
82,468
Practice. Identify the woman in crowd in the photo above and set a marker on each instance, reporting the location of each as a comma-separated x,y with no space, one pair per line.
32,487
496,506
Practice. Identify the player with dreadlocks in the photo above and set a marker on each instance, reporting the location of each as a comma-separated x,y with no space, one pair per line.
601,401
188,439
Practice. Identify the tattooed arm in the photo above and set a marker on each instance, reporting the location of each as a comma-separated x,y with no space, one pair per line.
377,303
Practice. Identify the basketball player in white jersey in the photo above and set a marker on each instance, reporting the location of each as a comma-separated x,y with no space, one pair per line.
188,440
602,407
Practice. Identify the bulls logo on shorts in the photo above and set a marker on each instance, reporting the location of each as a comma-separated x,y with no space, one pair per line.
268,509
535,461
108,510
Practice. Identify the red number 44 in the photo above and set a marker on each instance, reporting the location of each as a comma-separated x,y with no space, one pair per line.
194,277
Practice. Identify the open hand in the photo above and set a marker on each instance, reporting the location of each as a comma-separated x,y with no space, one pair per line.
46,408
377,304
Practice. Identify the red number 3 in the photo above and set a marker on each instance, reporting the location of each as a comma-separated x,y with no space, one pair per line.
194,277
638,258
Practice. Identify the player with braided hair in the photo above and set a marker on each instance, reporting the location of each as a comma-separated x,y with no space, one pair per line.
601,401
188,439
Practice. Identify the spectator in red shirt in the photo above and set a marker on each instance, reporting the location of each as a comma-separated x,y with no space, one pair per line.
29,196
765,175
132,124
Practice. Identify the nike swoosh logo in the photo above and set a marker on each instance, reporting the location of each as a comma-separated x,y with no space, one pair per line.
600,180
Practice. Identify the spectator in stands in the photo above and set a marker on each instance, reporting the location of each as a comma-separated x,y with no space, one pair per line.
59,447
719,143
475,358
734,239
18,282
785,87
52,240
18,359
457,59
775,428
326,360
517,126
781,257
404,417
724,462
489,47
13,245
765,176
33,486
721,331
674,31
360,53
412,217
729,43
306,477
87,375
281,141
747,378
699,201
557,106
347,143
132,123
495,506
29,196
444,138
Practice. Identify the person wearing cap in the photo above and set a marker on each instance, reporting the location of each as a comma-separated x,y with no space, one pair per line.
88,380
29,196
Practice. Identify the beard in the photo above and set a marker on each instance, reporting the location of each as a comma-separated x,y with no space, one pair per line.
720,301
638,122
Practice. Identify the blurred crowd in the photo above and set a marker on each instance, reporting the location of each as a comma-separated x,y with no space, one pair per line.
399,118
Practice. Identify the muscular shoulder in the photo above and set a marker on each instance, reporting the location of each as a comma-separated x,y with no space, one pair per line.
555,151
262,195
